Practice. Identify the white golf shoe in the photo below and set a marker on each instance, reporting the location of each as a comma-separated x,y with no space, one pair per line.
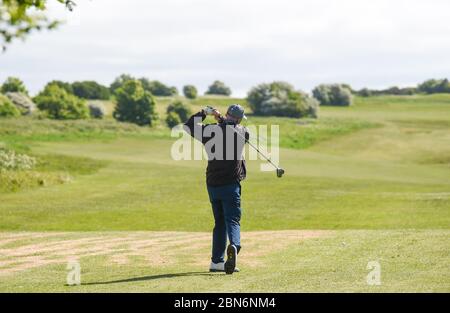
219,267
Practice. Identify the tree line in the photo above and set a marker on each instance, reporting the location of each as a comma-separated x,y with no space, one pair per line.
135,98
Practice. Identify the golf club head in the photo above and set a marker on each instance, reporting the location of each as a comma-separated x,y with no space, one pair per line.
280,172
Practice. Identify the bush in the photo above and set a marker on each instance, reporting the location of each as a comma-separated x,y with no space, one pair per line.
365,92
218,88
312,106
22,102
13,84
134,104
172,119
157,88
190,92
281,99
333,94
96,110
56,103
180,109
9,160
435,86
90,90
7,108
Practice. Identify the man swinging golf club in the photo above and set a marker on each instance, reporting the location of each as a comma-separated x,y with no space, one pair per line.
226,169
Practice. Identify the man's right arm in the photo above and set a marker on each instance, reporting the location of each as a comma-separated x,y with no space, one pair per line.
191,124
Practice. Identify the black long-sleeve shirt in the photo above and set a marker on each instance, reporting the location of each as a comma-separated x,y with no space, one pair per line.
223,168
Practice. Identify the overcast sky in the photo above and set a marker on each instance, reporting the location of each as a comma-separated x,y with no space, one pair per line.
373,43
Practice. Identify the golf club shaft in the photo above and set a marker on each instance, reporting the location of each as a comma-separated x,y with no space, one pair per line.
257,150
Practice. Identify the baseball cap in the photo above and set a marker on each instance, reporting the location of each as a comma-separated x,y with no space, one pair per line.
236,111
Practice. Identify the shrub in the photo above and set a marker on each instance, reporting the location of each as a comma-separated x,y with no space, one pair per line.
172,119
90,90
56,103
408,91
7,108
13,84
312,106
365,92
435,86
333,94
96,110
180,109
22,102
157,88
9,160
190,92
218,88
281,99
134,104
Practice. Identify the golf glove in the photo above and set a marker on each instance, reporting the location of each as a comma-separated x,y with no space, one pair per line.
208,110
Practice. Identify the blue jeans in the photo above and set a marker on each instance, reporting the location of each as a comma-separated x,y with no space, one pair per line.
226,206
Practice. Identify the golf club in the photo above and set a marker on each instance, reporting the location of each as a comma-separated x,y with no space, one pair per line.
279,170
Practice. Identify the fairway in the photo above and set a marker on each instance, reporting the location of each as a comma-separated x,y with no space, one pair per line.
365,183
297,261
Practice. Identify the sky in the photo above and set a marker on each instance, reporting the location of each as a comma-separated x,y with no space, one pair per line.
365,43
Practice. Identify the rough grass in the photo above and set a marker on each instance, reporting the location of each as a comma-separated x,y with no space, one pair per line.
51,169
13,181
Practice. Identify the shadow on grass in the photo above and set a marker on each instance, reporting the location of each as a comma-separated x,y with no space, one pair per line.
150,277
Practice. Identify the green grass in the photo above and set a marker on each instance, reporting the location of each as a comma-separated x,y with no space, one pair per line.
335,262
376,174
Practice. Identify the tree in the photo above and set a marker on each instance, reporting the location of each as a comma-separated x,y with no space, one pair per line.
443,86
281,99
180,109
90,90
13,84
333,94
18,18
365,92
134,104
435,86
58,104
218,88
190,92
64,85
7,108
119,81
173,119
157,88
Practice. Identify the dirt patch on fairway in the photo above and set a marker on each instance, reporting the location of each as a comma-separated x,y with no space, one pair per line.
22,251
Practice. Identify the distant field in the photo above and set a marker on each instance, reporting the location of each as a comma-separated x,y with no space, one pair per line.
373,178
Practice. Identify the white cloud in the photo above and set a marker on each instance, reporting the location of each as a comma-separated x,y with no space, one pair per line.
373,43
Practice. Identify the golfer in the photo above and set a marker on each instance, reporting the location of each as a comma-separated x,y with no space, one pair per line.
224,173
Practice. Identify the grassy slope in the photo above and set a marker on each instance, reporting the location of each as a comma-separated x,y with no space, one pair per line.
381,177
392,176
